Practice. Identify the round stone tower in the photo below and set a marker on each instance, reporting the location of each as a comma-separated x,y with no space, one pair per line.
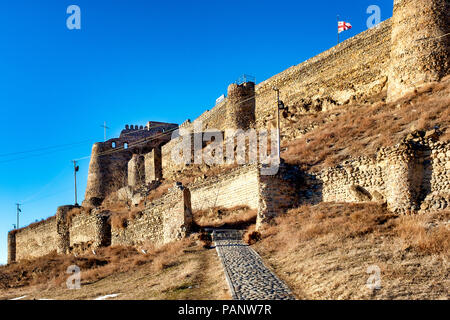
420,46
240,106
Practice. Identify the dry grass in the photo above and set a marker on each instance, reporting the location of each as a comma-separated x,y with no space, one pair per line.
107,261
179,270
362,128
236,217
424,235
323,252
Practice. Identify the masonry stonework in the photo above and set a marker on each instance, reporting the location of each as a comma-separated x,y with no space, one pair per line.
153,165
236,188
37,240
164,220
11,247
90,230
420,51
409,177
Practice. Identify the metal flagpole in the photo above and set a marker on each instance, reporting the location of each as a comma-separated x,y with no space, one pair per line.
338,28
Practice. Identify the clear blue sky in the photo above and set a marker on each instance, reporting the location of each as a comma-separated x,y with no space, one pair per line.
132,61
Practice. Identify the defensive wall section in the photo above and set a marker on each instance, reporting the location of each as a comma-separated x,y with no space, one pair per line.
164,220
410,177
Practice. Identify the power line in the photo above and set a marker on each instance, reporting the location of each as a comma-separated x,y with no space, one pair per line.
45,148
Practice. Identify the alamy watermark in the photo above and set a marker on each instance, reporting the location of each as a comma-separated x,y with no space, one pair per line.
74,20
239,146
74,281
375,17
374,280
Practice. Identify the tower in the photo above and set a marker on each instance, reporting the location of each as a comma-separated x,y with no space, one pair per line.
240,107
419,44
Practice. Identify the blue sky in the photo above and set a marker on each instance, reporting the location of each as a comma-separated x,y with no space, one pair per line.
131,62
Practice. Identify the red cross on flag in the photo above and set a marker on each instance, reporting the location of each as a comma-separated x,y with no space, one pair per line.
343,26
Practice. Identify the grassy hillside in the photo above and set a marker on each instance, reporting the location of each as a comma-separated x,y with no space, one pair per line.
180,270
324,251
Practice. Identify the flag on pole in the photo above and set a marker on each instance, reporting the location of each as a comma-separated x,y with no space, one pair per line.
343,26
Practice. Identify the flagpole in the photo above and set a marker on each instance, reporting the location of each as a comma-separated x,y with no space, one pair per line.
338,28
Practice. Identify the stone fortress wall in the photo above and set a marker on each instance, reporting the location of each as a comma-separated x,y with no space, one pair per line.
389,60
409,177
34,241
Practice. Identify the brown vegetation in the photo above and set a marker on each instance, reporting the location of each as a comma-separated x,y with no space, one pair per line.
360,129
179,270
323,252
236,217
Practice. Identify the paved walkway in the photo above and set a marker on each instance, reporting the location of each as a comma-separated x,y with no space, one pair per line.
247,276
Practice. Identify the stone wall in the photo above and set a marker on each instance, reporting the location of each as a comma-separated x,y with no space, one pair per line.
277,193
108,168
153,166
438,175
239,187
353,70
89,230
11,247
37,240
411,176
164,220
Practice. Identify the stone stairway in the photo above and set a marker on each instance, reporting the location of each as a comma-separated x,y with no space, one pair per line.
247,276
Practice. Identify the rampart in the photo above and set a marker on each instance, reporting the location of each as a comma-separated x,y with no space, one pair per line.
164,220
408,177
36,240
89,230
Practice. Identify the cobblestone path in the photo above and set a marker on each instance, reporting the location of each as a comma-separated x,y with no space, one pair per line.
247,276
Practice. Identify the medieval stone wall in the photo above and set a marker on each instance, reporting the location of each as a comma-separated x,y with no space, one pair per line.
408,177
89,230
164,220
438,177
236,188
109,165
36,240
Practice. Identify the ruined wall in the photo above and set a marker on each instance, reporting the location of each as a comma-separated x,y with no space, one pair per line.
164,220
408,177
11,247
108,168
240,110
37,240
437,178
277,193
153,165
236,188
354,69
89,230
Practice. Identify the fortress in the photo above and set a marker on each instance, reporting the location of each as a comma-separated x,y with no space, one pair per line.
395,58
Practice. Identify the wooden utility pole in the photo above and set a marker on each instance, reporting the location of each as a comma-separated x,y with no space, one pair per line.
75,170
280,106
